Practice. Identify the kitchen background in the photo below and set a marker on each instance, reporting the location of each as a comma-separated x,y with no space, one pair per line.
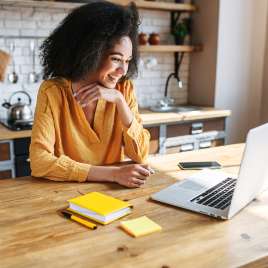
229,73
39,22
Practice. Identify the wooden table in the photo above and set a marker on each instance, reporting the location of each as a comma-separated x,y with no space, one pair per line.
32,234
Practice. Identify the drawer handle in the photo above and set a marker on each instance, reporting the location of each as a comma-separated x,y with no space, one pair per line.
197,128
205,144
186,147
28,160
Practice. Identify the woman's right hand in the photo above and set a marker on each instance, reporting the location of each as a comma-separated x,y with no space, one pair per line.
94,91
132,176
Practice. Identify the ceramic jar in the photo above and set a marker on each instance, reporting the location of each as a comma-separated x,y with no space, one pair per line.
154,39
143,39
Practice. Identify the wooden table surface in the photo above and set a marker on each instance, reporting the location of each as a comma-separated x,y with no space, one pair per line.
32,234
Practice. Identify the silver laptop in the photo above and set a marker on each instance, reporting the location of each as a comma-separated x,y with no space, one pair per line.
219,194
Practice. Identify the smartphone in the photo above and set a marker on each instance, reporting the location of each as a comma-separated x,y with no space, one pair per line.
199,165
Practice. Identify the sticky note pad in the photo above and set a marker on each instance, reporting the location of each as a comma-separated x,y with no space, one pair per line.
140,226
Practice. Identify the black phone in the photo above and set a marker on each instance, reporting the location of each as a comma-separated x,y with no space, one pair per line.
199,165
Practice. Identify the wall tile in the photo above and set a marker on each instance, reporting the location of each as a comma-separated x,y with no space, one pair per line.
150,83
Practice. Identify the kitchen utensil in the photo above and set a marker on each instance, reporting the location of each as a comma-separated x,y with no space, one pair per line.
13,76
4,61
33,76
19,112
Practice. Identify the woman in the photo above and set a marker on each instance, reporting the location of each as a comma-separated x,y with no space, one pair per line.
86,114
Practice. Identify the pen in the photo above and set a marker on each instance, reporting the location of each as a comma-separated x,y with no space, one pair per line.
151,170
86,223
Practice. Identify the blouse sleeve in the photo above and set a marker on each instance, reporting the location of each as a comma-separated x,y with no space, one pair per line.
136,138
43,161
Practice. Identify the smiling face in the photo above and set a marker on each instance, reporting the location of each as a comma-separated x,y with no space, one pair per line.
115,65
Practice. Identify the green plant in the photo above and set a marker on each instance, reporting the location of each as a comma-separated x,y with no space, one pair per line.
181,29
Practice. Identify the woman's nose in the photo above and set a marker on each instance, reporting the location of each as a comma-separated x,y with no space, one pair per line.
122,69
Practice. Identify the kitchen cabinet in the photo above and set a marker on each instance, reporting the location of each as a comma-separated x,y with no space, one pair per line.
187,136
7,169
5,151
5,174
14,158
21,160
178,132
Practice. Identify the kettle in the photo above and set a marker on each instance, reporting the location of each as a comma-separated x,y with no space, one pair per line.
19,112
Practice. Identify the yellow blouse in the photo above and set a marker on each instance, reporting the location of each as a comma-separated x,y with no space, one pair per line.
63,144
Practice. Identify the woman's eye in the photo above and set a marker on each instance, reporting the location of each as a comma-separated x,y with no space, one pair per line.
116,59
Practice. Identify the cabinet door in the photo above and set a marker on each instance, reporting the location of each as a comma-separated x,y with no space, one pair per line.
5,151
21,146
21,150
188,127
22,166
6,174
195,135
187,136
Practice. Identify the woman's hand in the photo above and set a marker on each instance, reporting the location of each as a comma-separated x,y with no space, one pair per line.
89,94
132,176
92,92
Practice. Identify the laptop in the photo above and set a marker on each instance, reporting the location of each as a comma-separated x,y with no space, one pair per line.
218,194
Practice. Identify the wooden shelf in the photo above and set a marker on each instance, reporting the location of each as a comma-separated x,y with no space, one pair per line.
169,48
158,5
69,5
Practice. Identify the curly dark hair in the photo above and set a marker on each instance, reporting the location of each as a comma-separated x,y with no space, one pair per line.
76,47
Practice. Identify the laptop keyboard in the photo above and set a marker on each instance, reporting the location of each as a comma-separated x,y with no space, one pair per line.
219,196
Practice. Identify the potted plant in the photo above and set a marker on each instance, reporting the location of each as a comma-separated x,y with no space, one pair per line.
180,30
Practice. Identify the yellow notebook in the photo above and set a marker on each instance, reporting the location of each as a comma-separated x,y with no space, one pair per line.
140,226
99,207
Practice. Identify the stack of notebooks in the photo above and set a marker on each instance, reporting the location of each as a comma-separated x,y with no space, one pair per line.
99,207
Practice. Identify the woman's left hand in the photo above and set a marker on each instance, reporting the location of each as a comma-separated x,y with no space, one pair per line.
92,92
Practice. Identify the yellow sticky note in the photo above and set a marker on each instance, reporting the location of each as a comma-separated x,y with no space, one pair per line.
140,226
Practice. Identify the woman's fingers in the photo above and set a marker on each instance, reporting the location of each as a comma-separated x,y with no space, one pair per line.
143,170
135,183
86,93
88,96
84,89
81,97
139,175
138,181
146,166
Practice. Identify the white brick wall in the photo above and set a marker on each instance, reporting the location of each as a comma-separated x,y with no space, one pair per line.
39,22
